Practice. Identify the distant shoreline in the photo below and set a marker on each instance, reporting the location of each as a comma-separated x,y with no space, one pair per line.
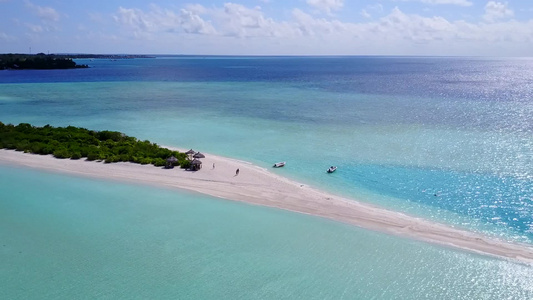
41,61
258,186
38,61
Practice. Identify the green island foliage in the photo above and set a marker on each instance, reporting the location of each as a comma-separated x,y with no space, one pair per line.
38,61
76,143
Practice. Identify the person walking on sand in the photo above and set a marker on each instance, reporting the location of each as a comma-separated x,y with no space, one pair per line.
237,172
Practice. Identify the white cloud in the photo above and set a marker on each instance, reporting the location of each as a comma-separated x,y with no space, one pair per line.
233,20
144,24
238,20
369,10
326,5
413,27
134,19
196,8
237,29
451,2
410,33
496,11
193,23
47,14
317,27
365,14
35,28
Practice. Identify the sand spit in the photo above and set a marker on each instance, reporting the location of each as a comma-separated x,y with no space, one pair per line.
259,186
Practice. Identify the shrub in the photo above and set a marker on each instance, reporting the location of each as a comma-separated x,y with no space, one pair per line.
111,159
76,155
93,156
8,144
62,153
109,135
159,162
47,149
37,148
185,164
22,145
146,161
124,157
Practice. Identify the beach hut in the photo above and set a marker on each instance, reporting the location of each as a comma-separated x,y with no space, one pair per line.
170,162
190,153
198,155
196,165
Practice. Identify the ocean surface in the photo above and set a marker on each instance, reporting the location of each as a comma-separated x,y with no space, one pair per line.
447,139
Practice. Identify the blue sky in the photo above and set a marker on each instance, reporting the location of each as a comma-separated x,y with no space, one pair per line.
269,27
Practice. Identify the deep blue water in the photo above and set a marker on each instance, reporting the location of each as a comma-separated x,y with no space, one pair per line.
442,79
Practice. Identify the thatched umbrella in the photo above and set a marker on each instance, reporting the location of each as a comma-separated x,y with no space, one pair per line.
190,153
170,162
198,155
196,165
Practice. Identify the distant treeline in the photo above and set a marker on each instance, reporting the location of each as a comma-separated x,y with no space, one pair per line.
39,61
107,56
75,143
54,61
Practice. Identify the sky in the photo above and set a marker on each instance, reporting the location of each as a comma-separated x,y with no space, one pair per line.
269,27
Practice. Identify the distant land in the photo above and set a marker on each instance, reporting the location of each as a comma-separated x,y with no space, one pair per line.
41,61
103,56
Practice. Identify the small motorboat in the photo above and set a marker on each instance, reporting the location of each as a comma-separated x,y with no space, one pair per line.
279,164
331,169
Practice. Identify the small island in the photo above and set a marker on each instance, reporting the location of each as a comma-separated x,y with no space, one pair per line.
38,61
254,185
41,61
76,143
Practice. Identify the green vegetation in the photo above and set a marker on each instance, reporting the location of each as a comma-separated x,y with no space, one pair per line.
75,143
37,61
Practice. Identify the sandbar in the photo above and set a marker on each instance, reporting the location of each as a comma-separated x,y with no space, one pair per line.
259,186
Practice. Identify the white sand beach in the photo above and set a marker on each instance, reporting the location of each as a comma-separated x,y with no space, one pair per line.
259,186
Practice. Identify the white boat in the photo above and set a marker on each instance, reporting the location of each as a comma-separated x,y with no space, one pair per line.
331,169
279,164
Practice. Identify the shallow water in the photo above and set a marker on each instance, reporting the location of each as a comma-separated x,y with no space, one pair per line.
65,237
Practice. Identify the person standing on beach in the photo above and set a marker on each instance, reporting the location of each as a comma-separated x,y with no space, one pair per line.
237,172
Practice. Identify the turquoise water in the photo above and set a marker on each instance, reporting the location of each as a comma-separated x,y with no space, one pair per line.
448,139
388,162
74,238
